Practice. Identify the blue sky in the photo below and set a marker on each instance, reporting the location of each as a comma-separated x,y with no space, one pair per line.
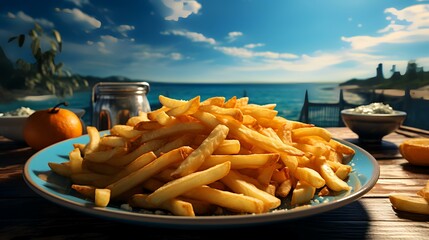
227,40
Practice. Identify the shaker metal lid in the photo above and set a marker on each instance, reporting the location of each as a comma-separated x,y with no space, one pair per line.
119,88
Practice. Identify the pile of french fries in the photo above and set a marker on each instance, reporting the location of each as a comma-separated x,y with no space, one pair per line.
208,157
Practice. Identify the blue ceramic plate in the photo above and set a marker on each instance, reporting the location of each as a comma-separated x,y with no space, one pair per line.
55,188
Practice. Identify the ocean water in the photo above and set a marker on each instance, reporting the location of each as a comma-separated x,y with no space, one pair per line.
288,98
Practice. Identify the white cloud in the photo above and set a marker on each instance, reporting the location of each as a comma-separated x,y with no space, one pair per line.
409,25
79,3
193,36
23,17
181,8
124,29
247,53
254,45
77,16
232,36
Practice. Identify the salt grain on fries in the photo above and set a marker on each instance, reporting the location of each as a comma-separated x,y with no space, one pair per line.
206,157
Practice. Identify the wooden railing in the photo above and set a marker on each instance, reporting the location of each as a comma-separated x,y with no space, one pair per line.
329,114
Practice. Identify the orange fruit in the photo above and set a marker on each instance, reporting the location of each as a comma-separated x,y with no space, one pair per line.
416,151
49,126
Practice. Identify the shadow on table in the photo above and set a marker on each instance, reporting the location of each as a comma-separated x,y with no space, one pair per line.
380,150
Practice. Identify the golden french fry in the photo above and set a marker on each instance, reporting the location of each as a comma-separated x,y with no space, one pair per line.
132,121
228,146
197,157
125,131
302,193
284,188
62,169
101,168
311,131
233,112
102,197
258,111
181,185
164,119
175,206
216,101
170,102
189,107
184,140
342,148
255,138
173,130
86,190
113,141
332,180
242,161
149,146
414,204
232,201
238,185
94,140
103,156
135,165
310,176
154,167
75,159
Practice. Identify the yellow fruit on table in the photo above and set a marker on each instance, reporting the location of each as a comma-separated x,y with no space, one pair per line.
416,151
49,126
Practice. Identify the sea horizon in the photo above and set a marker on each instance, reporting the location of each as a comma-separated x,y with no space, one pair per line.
288,97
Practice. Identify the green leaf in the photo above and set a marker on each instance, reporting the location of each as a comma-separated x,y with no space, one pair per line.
35,46
38,28
58,39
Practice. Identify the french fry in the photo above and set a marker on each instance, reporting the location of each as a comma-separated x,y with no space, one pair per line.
75,160
242,161
312,131
125,131
197,157
232,201
189,107
102,197
176,206
310,176
228,146
172,130
94,140
113,141
154,167
302,193
103,156
62,169
238,185
149,146
253,137
332,180
181,185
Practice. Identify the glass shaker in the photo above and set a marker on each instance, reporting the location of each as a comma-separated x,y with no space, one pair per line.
115,102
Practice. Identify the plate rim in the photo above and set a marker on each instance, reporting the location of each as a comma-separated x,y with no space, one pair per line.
172,221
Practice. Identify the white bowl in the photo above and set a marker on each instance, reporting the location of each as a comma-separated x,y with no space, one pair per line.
12,127
371,128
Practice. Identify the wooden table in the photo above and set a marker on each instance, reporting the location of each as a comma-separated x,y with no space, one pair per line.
26,215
